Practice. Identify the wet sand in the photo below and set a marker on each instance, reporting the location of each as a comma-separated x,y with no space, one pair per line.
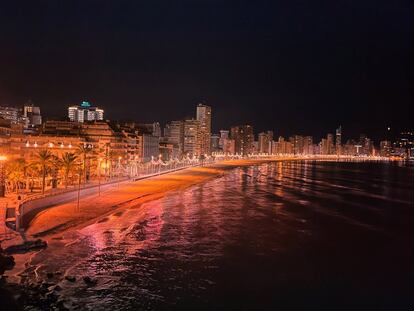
66,216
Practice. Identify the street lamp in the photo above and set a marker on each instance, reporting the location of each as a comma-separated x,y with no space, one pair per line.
159,163
3,159
119,169
99,176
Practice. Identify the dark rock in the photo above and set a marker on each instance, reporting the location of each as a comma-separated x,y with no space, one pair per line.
26,246
46,284
70,278
50,275
6,263
61,306
51,296
89,281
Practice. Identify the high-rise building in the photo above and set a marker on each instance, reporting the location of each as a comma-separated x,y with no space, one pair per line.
338,140
281,146
244,138
404,144
192,145
297,143
263,142
330,146
264,139
224,134
32,114
308,145
153,129
174,134
229,146
366,145
9,113
215,139
156,129
149,147
385,148
204,117
85,112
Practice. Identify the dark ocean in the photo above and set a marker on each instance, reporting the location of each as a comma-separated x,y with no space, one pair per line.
278,236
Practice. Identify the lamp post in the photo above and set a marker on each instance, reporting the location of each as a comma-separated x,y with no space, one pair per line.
119,169
79,189
99,176
152,164
159,164
3,159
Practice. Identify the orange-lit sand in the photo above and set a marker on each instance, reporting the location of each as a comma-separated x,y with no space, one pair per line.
64,216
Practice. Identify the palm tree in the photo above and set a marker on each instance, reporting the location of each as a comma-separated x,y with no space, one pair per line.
85,152
31,171
55,166
15,172
45,161
69,162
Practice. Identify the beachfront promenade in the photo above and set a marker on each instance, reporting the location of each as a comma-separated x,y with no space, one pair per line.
55,214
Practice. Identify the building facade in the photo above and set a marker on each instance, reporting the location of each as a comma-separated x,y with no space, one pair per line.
204,118
85,112
192,138
244,138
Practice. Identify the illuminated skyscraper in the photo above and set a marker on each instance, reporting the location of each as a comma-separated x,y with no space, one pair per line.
244,138
32,113
224,134
338,140
85,112
9,113
264,139
385,148
204,117
215,139
330,144
192,145
174,134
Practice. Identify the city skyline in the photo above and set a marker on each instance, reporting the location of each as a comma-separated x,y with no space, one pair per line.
386,133
192,136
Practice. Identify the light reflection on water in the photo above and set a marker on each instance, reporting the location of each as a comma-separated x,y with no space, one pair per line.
283,235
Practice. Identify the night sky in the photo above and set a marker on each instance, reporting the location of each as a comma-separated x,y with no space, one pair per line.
292,66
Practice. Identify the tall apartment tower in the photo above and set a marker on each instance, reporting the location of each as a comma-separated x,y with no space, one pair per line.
32,113
338,140
204,117
244,138
224,134
330,146
174,134
9,113
264,140
85,112
192,135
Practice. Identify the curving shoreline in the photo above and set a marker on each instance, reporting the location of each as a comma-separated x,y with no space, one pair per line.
62,217
65,217
62,220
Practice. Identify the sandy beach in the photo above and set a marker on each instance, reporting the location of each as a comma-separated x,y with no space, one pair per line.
63,220
66,216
